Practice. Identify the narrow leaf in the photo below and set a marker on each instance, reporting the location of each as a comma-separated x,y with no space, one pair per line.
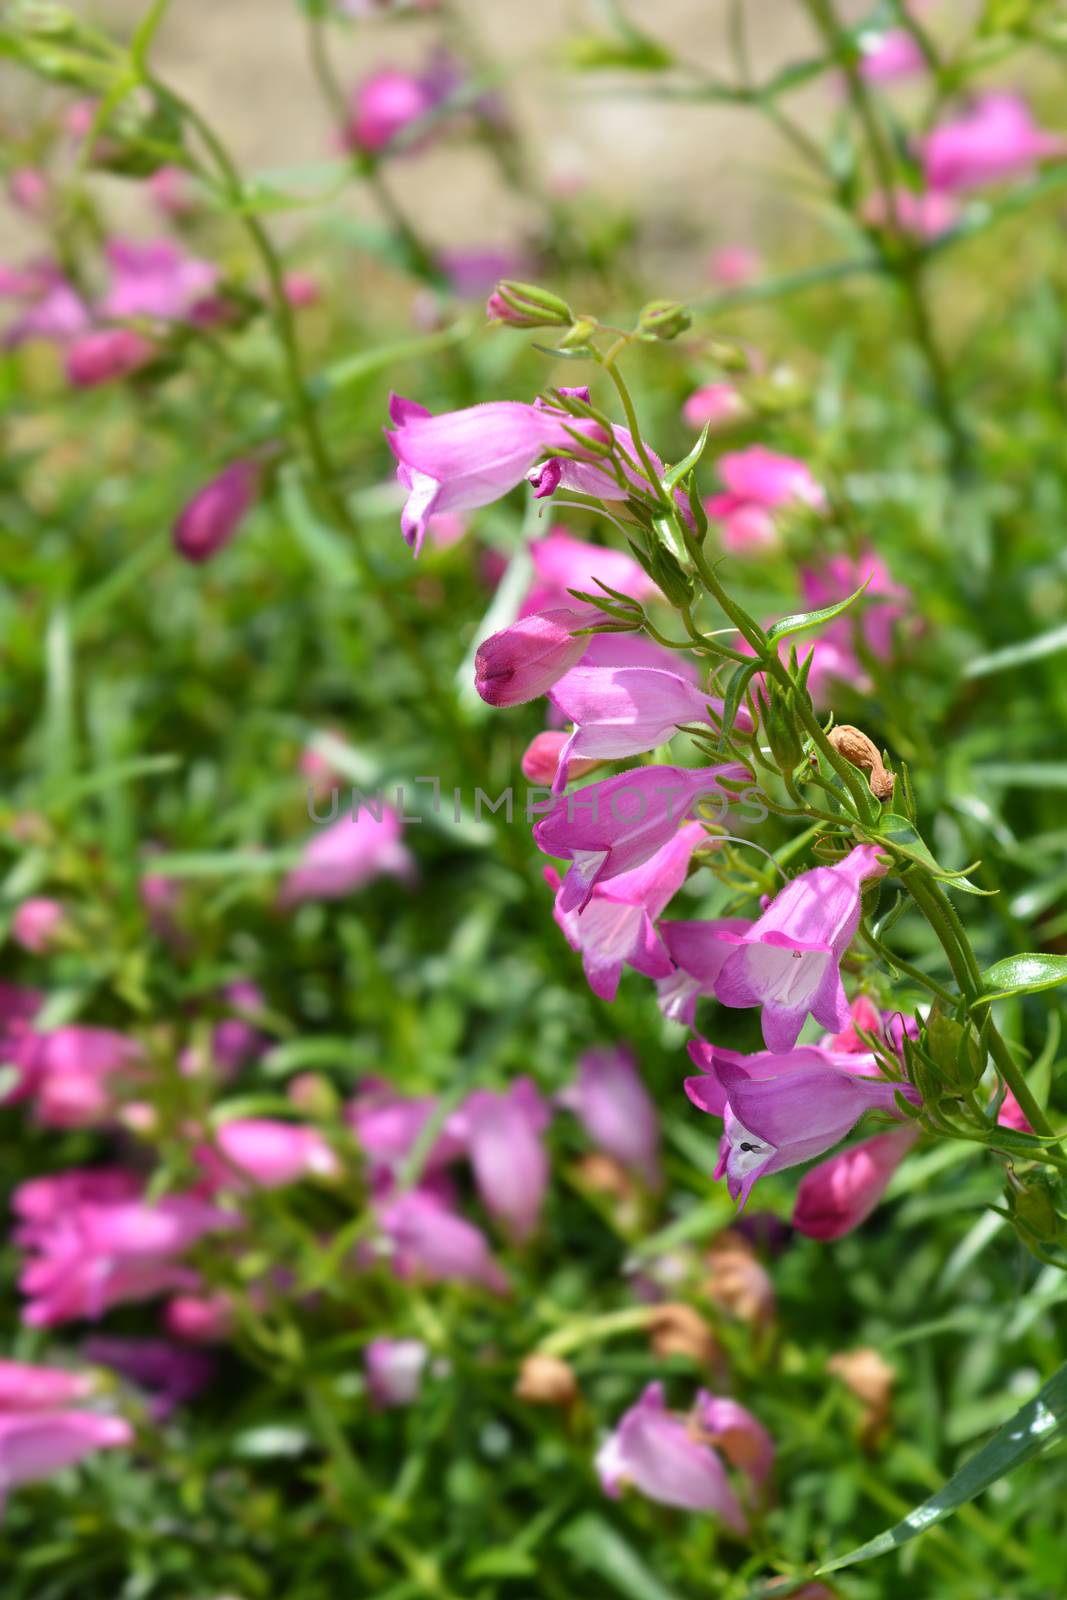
1024,974
812,619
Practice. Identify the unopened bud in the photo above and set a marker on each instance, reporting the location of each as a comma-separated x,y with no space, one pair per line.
1032,1209
678,1330
737,1280
871,1380
526,305
663,319
546,1381
581,333
861,752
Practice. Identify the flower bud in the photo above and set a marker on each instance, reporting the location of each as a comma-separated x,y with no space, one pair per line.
663,319
871,1380
678,1330
862,752
521,662
581,333
546,1381
215,512
737,1280
526,305
105,355
541,758
36,924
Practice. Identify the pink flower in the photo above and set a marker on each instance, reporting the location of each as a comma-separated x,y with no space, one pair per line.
270,1154
926,215
521,662
170,1375
171,191
599,477
783,1109
737,1435
507,1152
759,482
212,517
36,923
235,1040
394,1369
1012,1115
72,1071
156,280
29,189
465,459
302,289
54,310
887,57
540,759
840,1194
199,1318
877,612
617,925
698,954
734,264
428,1240
789,959
387,1126
383,105
40,1202
617,1111
659,1454
24,1386
608,828
473,273
562,563
716,404
35,1446
996,139
624,711
98,1253
347,855
105,355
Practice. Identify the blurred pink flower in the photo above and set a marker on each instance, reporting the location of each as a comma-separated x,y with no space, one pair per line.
73,1073
394,1369
170,1375
211,518
105,355
995,139
734,264
616,1110
269,1153
660,1454
758,482
926,215
428,1240
347,855
698,954
540,759
25,1386
889,55
562,562
507,1153
716,404
387,1125
36,923
29,189
36,1445
155,279
52,307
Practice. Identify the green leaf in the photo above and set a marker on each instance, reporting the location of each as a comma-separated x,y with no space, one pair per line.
1024,974
674,475
812,619
595,1543
903,835
1024,1436
1014,655
366,363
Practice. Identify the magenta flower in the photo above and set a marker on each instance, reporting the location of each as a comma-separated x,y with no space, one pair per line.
234,1040
996,139
1012,1115
36,1445
877,612
780,1110
562,563
610,827
617,925
52,309
73,1071
155,279
926,215
36,923
394,1369
715,405
617,1111
597,477
759,482
104,355
461,460
659,1453
213,515
889,56
428,1240
25,1386
504,1141
386,103
698,954
839,1194
387,1126
624,711
269,1153
169,1374
346,856
737,1435
171,191
95,1254
789,960
521,662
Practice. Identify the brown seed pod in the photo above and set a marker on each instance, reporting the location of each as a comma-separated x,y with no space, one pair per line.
854,745
675,1329
546,1381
